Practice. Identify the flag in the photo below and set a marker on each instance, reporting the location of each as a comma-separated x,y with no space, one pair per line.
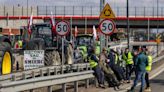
30,23
76,31
52,22
94,33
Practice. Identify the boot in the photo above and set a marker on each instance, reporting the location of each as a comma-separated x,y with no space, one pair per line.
148,89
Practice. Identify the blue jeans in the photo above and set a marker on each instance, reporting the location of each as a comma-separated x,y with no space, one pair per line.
139,75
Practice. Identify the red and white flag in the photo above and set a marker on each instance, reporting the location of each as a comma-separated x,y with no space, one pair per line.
94,33
30,23
76,31
52,22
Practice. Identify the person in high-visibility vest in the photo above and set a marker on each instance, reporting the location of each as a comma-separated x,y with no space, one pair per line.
128,57
148,69
20,43
93,61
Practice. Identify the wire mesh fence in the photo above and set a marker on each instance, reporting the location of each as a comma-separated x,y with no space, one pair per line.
78,11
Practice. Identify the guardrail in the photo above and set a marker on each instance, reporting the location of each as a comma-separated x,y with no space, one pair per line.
44,71
45,81
47,76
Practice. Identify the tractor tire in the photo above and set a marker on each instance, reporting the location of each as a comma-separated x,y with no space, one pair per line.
52,58
6,58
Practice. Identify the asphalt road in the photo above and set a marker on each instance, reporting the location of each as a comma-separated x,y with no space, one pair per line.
157,83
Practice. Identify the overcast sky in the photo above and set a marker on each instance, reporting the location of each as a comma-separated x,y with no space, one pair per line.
113,3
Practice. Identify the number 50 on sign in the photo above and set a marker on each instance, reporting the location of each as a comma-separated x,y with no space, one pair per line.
62,28
107,26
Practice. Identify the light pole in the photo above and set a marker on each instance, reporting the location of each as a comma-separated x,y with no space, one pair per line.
127,14
27,12
157,26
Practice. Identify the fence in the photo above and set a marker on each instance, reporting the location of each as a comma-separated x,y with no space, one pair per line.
78,11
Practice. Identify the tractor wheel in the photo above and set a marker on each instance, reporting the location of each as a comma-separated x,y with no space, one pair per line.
52,58
6,64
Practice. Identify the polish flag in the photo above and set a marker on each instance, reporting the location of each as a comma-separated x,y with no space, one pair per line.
94,33
76,31
30,23
52,21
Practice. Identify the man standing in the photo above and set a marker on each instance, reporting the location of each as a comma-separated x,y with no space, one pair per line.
128,58
141,63
148,69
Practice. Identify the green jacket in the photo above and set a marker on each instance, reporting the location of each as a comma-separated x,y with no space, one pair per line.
141,62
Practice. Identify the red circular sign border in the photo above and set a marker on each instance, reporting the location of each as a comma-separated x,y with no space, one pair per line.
112,23
68,28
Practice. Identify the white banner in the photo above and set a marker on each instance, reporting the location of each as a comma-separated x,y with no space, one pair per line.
33,59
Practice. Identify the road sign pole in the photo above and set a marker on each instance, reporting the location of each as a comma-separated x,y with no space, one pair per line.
62,50
148,30
127,12
71,36
102,2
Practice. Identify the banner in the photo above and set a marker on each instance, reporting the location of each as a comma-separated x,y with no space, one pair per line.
33,59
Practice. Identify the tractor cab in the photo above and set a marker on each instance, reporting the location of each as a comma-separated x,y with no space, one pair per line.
85,43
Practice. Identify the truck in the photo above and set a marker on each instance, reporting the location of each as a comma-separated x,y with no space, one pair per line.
85,42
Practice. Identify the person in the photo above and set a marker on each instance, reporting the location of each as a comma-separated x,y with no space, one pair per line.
128,57
93,61
141,63
135,54
113,63
109,74
148,69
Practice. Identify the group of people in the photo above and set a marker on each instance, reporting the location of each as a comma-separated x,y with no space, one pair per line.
116,67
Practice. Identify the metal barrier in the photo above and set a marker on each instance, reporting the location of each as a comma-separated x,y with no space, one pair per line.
44,71
22,85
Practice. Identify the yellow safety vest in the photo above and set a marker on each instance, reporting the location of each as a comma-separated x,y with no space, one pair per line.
150,59
116,58
129,59
92,62
20,44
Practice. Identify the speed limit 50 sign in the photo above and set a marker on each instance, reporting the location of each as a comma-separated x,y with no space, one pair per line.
107,26
62,28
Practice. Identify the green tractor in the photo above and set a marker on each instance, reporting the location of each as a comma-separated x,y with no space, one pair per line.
6,58
85,42
43,38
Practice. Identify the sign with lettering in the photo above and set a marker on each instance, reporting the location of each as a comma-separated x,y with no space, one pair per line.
33,59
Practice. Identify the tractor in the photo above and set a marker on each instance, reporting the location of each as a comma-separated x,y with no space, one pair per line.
6,58
85,42
42,37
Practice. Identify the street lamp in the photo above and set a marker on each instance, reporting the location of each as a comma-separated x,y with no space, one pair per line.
27,11
127,14
157,26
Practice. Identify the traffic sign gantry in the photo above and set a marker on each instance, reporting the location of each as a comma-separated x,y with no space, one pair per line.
107,26
107,12
62,28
